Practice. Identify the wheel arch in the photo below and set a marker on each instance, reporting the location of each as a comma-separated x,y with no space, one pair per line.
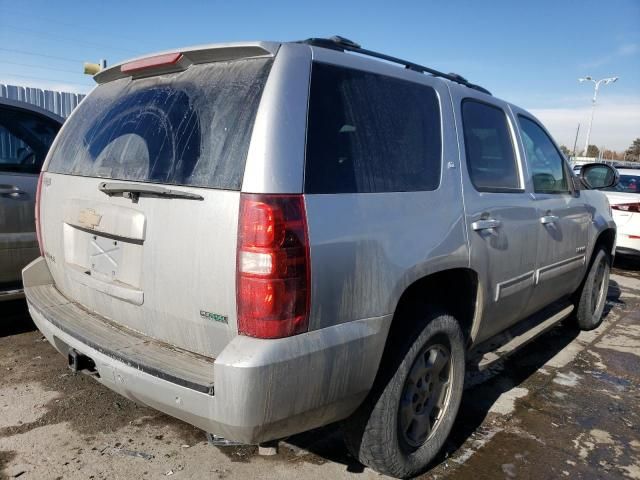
606,239
455,290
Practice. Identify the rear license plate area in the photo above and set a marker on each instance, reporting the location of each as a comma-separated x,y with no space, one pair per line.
105,258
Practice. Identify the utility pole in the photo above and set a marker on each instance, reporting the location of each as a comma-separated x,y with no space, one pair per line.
575,142
596,84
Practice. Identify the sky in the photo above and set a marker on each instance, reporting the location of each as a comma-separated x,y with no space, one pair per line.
528,53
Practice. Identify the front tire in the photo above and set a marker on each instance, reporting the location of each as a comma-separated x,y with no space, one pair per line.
409,413
592,297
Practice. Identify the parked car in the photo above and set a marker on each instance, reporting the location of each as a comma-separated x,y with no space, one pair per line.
263,238
625,203
26,133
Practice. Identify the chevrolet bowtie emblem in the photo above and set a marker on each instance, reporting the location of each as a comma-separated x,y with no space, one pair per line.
88,218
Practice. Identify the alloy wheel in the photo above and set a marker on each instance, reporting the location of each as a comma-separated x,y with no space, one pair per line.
425,395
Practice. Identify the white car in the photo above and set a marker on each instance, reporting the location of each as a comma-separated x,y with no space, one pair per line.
625,203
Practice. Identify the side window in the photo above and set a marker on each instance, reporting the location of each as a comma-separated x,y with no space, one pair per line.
25,139
490,154
545,162
370,133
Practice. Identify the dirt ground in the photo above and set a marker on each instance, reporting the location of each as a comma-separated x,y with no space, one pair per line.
566,405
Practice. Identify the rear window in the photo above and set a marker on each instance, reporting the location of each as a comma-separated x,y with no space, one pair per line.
371,133
189,128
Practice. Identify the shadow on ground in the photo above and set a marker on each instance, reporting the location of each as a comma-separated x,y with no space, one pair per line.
477,400
324,444
627,263
15,318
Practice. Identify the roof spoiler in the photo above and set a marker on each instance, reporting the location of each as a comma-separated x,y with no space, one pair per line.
180,59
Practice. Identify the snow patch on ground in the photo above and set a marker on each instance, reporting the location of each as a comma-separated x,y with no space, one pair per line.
623,338
506,403
570,379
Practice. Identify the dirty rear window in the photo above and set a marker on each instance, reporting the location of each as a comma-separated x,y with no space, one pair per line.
189,128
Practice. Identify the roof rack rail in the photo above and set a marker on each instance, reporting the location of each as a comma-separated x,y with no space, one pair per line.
344,44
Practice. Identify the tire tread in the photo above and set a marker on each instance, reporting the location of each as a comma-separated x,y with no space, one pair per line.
370,436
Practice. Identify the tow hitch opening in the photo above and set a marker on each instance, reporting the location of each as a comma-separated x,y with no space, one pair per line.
81,363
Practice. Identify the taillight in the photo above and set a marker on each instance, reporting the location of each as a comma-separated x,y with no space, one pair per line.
37,214
273,267
627,207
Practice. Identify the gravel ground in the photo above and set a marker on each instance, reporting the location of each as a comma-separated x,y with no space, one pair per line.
566,405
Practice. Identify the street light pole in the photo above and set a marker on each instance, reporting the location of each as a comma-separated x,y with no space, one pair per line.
596,86
575,142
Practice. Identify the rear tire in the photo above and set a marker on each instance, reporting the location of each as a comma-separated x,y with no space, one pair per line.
408,415
592,296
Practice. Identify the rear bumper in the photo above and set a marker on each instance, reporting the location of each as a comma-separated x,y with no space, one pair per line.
263,389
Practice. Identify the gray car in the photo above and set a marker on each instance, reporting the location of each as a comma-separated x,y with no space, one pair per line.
263,238
26,133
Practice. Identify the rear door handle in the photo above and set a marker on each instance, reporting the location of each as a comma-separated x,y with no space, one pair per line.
547,219
12,190
487,224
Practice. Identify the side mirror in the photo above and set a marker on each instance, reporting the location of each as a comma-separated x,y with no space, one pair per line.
598,175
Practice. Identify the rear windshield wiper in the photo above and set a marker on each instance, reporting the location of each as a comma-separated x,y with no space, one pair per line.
133,192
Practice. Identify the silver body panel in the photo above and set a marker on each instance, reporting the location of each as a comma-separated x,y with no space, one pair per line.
366,250
275,162
133,267
524,264
361,265
501,256
562,254
264,389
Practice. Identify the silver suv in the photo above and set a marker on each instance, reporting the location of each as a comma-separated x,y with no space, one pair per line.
263,238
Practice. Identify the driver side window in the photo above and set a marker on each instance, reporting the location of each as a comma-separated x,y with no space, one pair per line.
545,162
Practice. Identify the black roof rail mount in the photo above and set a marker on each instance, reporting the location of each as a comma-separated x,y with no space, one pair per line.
343,44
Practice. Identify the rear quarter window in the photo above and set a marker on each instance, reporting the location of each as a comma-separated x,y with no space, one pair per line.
371,133
189,128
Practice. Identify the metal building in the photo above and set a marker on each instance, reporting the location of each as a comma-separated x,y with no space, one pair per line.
60,103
